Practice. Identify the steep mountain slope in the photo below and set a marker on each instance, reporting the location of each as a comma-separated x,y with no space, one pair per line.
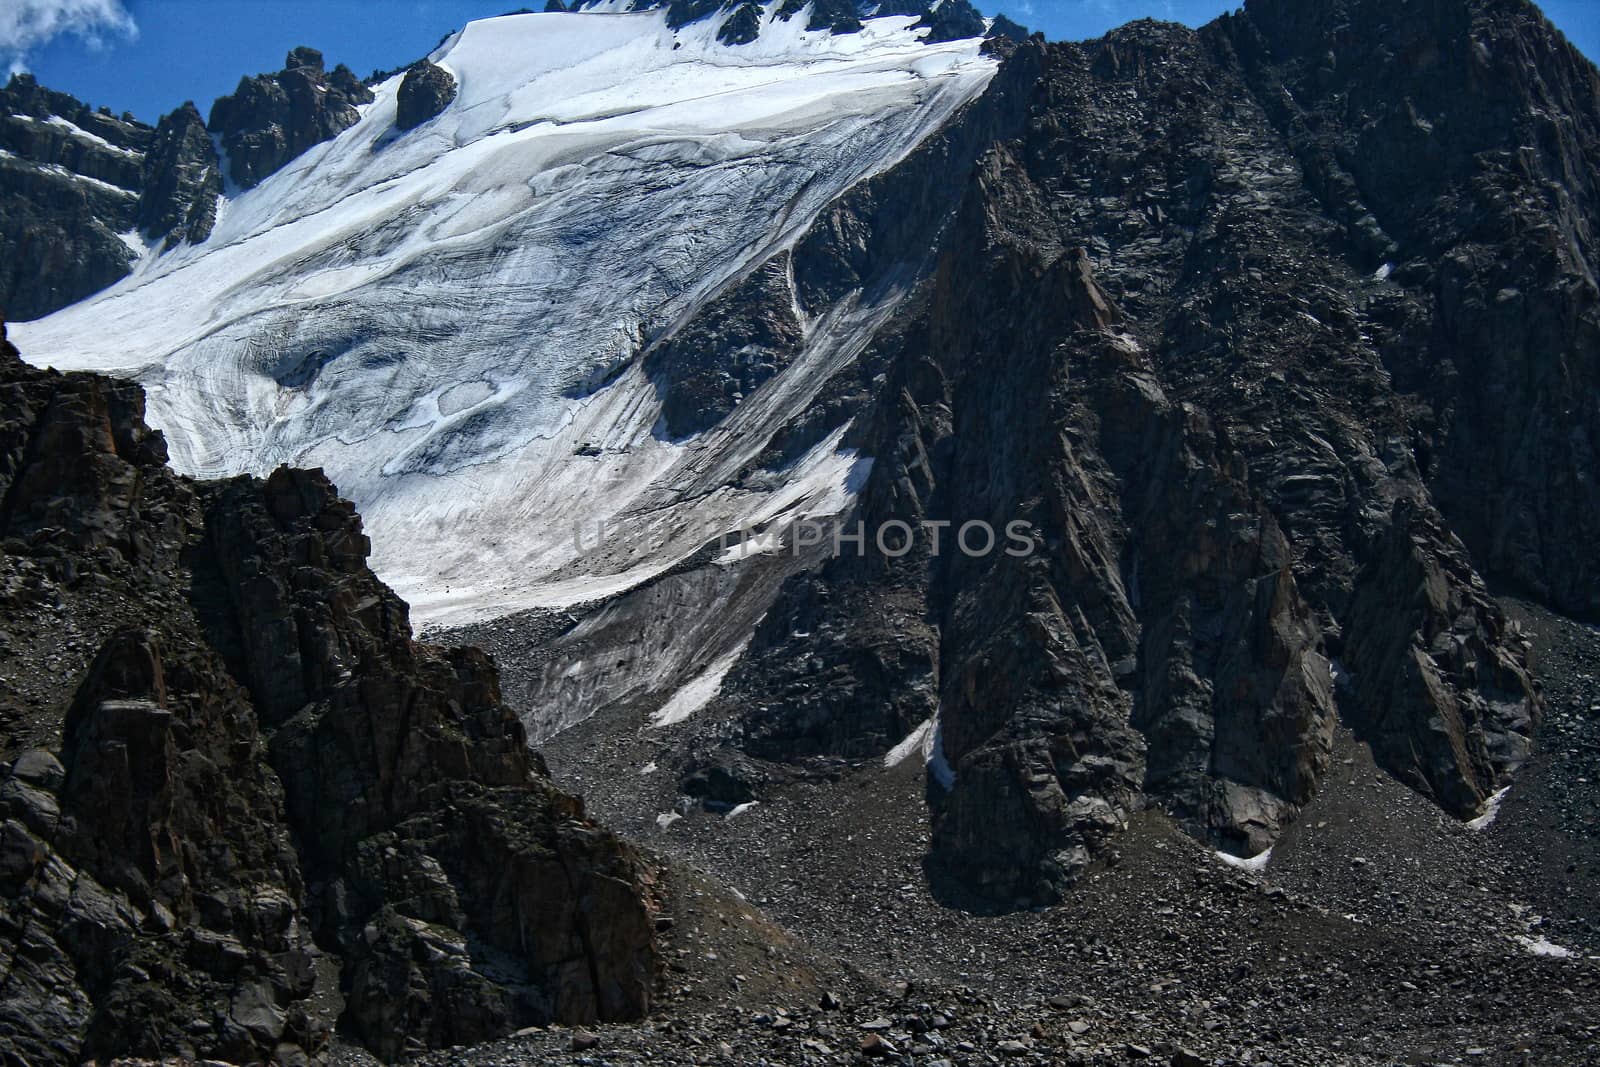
85,195
1273,345
595,179
1196,374
1218,446
1267,411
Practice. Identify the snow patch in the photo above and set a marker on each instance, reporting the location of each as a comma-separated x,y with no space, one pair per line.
81,134
918,740
1256,863
1491,811
137,243
768,542
699,692
1543,946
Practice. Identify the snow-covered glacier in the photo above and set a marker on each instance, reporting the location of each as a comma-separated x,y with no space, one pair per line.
449,319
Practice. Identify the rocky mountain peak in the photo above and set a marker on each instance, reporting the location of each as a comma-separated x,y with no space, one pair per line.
271,119
426,90
303,56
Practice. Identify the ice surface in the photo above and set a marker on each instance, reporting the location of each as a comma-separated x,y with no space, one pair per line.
448,320
918,740
1491,810
1257,862
699,692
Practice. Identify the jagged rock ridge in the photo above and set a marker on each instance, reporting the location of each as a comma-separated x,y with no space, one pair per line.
1257,499
81,191
85,194
943,20
272,118
259,770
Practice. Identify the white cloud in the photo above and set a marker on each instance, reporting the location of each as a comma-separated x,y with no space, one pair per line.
27,24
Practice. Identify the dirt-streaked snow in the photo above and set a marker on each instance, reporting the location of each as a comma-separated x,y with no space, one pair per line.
447,320
699,692
1256,863
1491,811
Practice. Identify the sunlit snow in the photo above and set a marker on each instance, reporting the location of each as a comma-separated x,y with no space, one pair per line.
700,691
447,319
1542,946
918,740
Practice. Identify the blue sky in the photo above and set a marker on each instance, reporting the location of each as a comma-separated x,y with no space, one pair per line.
148,56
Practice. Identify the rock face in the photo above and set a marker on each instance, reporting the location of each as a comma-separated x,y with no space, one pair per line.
742,27
426,90
182,180
259,773
70,179
1273,412
742,339
1467,168
272,118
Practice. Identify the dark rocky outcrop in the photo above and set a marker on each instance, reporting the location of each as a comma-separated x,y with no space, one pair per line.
1459,145
64,197
741,27
271,119
1271,410
949,21
1001,26
426,90
835,16
182,180
741,339
75,183
259,775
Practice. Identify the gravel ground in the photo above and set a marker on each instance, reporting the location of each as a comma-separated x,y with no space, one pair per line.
1379,931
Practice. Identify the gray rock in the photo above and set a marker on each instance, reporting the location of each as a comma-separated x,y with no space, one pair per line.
271,119
39,767
426,90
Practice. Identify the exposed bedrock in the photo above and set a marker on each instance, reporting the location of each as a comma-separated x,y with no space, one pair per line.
1272,428
426,90
258,769
271,119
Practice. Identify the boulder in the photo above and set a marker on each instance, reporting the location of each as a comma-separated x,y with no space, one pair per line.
425,91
